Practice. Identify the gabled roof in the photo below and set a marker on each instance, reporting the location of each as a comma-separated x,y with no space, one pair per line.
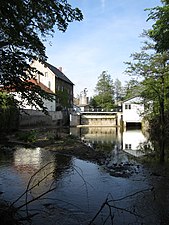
132,98
58,73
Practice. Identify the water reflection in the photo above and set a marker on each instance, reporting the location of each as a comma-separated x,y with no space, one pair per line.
112,139
132,142
82,187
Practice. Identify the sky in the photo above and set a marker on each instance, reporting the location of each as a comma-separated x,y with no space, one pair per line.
103,41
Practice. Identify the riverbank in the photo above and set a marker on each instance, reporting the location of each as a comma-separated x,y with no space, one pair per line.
27,151
61,142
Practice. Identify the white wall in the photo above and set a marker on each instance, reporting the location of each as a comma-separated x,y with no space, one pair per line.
45,79
134,110
50,105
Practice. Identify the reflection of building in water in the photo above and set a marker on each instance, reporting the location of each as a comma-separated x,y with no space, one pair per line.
27,158
132,141
28,161
101,134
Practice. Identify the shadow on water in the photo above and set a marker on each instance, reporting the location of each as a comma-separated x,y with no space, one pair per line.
120,191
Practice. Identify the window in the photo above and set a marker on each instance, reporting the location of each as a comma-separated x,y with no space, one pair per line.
49,84
46,74
127,146
127,106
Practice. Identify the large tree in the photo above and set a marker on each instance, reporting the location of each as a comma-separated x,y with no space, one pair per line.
104,97
24,26
118,90
152,69
160,29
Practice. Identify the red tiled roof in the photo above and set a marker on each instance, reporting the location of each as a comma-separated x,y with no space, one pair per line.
42,86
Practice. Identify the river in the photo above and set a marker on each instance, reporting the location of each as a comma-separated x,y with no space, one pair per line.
81,188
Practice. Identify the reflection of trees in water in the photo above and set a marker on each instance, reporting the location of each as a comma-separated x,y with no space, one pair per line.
62,164
103,146
6,153
153,148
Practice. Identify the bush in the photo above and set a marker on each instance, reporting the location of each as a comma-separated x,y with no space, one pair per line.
27,136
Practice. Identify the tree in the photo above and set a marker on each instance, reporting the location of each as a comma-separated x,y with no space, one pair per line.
118,90
160,29
132,89
152,69
8,113
24,26
104,97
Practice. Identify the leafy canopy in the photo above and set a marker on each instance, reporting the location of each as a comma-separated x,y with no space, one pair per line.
160,29
24,26
104,92
152,71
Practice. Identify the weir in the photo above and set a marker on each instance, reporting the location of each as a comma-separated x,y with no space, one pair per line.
100,118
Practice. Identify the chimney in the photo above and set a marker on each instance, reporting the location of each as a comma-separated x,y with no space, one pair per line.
60,68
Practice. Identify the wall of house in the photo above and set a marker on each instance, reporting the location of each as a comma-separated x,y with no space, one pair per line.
74,119
61,86
133,111
50,105
48,79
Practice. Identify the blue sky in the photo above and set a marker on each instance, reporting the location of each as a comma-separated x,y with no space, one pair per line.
104,40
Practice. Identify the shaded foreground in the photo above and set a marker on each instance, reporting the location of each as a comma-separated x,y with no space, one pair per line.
138,196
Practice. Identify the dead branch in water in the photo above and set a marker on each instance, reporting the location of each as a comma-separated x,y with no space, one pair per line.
110,203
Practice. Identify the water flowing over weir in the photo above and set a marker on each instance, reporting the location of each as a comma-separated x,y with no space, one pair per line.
84,192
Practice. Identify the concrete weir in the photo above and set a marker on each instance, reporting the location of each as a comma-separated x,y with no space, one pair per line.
100,119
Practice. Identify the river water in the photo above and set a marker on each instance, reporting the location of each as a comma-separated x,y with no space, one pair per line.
80,188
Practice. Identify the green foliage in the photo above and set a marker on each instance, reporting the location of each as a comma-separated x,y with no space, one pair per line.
27,136
118,90
105,92
160,29
63,98
152,70
132,89
24,26
9,114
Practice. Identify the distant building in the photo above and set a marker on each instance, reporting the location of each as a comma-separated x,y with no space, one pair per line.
83,101
133,110
57,82
53,81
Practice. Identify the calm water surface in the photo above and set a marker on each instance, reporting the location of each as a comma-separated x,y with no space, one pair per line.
80,187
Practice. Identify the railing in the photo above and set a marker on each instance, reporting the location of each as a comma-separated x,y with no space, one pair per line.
103,110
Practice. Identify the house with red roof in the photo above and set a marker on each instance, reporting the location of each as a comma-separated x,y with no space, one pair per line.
53,81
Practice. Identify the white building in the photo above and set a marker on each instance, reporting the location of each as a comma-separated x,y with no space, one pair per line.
53,81
133,110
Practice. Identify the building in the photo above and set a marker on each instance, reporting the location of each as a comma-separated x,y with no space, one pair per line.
83,101
132,111
54,81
